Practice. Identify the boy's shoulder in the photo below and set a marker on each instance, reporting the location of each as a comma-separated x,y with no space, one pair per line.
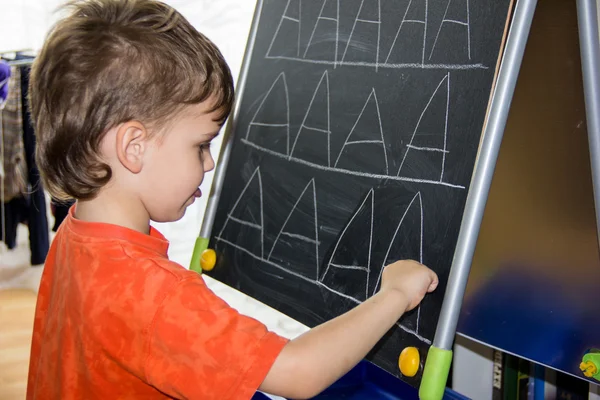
114,256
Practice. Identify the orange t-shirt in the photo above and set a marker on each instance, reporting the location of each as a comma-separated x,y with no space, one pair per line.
116,319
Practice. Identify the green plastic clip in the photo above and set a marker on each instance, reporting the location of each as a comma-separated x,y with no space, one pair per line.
435,374
590,364
199,247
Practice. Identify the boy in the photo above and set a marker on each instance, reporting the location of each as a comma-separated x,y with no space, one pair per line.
126,96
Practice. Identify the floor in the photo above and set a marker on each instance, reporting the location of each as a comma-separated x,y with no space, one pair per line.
19,283
18,287
16,317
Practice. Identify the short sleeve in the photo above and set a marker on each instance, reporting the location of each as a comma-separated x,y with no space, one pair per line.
201,348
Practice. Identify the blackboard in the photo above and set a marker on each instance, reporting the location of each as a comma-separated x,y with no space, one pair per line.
354,144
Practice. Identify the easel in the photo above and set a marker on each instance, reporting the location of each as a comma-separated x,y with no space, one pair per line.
440,353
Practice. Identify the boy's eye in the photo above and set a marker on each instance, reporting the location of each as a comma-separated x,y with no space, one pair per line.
204,147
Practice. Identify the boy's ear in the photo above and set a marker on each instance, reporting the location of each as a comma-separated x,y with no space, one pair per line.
132,141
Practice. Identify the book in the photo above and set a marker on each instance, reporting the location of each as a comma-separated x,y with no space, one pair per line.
510,376
498,378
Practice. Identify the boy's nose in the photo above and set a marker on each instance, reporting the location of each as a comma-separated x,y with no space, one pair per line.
209,164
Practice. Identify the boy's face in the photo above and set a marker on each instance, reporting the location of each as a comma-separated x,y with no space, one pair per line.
175,163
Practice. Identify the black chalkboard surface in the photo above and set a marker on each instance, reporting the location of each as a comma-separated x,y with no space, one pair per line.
354,145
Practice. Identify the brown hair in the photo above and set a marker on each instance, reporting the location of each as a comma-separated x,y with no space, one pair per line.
108,62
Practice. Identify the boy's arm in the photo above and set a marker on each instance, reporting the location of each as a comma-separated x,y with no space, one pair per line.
310,363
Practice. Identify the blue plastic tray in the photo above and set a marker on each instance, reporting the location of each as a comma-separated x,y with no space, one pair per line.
367,381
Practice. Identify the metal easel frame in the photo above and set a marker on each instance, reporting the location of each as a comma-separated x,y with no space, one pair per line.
439,359
223,160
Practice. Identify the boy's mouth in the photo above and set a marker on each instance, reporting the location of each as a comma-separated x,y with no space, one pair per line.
197,193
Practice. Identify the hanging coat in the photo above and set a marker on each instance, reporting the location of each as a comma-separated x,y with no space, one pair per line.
4,76
13,171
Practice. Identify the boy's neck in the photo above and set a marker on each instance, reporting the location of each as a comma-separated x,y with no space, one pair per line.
120,210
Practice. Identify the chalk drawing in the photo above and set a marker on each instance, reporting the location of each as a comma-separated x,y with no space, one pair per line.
255,122
380,140
314,239
291,20
411,21
323,89
326,131
369,201
466,24
445,84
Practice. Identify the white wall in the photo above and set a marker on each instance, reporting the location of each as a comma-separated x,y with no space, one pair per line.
473,369
24,23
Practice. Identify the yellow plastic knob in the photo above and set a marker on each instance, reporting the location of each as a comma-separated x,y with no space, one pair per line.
208,259
409,361
588,368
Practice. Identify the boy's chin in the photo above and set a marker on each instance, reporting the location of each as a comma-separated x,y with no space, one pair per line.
171,217
179,215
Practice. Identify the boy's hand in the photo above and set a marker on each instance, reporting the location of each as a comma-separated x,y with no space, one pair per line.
412,279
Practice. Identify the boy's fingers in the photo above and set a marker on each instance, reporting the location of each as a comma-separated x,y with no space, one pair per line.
434,281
